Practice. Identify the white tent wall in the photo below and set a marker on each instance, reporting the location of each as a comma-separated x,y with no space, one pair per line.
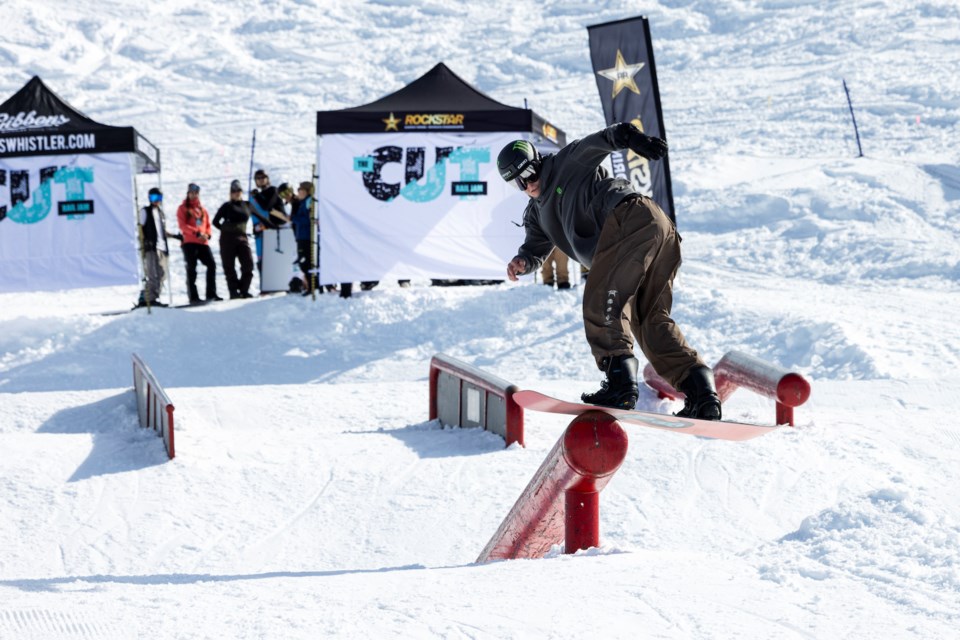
377,224
77,227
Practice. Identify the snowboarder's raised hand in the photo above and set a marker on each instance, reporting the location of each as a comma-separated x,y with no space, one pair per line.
646,146
516,267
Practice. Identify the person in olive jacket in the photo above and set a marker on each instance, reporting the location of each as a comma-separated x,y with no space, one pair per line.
232,219
194,224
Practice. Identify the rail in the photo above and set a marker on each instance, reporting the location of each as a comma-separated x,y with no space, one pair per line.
737,369
463,395
562,501
154,408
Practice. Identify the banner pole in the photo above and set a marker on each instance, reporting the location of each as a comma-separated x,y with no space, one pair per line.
143,254
856,130
253,146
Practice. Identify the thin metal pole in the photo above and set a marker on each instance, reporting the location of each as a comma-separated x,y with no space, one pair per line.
856,130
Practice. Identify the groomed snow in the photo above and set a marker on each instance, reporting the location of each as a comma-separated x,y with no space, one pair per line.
310,497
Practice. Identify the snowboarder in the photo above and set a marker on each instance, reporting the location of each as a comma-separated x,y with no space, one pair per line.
632,250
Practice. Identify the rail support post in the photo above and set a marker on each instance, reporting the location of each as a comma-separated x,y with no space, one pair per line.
562,501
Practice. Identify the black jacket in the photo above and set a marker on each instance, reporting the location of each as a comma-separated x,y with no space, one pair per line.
232,217
267,200
576,196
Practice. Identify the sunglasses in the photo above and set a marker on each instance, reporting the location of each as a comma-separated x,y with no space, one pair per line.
525,177
156,197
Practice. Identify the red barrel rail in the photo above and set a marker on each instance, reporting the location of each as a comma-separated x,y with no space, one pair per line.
465,396
153,405
562,501
737,369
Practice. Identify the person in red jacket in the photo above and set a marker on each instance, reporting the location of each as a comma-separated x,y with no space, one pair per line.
194,224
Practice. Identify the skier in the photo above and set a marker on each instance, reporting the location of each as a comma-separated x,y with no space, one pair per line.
632,250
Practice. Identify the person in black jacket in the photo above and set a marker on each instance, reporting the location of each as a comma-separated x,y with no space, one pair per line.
268,211
632,250
154,249
231,220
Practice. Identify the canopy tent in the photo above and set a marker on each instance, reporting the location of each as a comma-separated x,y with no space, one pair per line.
67,200
385,212
35,121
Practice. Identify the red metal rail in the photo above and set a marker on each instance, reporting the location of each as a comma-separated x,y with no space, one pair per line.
577,468
154,407
737,369
483,381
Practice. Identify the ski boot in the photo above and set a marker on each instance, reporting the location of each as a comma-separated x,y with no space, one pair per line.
619,390
702,401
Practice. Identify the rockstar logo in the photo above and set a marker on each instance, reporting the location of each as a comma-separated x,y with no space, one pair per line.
391,123
622,75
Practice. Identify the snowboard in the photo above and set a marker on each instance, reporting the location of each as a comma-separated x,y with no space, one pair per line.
720,430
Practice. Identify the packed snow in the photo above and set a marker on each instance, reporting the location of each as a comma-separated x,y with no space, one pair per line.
311,496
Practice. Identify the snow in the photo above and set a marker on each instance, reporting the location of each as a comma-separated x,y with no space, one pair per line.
311,497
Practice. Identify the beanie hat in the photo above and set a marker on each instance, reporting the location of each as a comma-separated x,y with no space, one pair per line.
284,190
260,173
193,187
154,192
235,186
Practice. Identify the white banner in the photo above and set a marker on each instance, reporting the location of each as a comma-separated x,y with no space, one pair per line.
409,205
67,222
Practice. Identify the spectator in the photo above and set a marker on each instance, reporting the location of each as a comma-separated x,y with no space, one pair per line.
154,249
195,228
267,211
232,219
559,274
300,218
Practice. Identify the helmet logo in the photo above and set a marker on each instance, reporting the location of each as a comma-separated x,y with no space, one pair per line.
524,146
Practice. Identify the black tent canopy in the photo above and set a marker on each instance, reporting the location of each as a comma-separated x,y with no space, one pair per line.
35,121
439,100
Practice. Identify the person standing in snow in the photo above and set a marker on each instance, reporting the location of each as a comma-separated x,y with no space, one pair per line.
268,211
155,251
194,224
554,270
300,218
632,250
232,219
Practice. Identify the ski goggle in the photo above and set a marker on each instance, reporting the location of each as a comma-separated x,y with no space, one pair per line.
156,197
527,175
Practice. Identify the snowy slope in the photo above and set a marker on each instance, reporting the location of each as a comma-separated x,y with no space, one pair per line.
311,498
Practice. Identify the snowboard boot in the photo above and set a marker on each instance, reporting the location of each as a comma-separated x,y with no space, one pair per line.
702,401
619,390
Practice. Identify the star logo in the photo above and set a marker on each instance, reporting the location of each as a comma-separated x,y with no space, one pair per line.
622,75
392,123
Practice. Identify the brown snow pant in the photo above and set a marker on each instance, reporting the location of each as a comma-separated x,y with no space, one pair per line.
561,271
629,293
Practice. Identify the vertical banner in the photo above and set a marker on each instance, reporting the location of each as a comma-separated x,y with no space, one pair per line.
416,205
622,57
67,222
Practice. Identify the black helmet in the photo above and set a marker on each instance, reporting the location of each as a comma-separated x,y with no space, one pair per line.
519,161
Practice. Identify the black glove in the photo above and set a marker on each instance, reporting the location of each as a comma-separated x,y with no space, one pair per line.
644,145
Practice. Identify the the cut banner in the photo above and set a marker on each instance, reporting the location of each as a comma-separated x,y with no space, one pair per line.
411,205
67,222
622,56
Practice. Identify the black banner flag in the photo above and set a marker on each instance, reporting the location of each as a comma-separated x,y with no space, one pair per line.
622,56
